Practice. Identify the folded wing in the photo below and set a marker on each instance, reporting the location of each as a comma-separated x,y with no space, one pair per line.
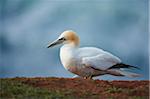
101,61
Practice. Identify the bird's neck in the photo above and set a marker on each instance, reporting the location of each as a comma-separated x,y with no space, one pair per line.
67,53
71,45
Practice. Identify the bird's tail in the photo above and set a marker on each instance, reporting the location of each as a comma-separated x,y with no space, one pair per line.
118,72
129,74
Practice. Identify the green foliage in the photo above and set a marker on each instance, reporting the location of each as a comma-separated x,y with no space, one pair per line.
16,90
114,90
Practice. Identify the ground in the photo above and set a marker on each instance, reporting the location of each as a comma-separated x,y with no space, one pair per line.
72,88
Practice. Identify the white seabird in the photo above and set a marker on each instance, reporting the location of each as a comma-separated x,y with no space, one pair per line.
88,62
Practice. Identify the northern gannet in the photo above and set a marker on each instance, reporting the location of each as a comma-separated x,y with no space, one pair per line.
88,62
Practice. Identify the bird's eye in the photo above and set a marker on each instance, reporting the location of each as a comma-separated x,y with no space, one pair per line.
62,39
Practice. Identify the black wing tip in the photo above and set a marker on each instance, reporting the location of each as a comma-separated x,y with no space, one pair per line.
122,65
130,66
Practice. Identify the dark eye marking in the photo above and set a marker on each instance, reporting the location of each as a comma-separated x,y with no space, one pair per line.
62,39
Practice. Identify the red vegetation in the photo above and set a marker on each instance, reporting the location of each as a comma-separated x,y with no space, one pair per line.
90,88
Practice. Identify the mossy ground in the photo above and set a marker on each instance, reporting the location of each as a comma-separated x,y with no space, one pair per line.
11,89
65,88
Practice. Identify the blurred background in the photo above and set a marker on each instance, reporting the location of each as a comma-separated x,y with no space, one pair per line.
27,26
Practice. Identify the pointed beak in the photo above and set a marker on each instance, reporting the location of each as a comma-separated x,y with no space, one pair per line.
54,43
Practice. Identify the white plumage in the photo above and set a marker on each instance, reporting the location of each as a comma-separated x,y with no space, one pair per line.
101,59
88,62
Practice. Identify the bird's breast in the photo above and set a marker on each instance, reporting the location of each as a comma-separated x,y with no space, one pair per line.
68,57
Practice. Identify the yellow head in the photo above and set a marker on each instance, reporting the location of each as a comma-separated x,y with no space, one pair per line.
67,37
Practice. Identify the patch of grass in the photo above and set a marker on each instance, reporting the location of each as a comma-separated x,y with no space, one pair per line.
11,89
14,88
125,90
114,90
17,90
139,97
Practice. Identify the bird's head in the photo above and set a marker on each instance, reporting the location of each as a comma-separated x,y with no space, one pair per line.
67,37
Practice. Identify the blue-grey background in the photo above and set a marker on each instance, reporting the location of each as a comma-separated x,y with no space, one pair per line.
27,26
